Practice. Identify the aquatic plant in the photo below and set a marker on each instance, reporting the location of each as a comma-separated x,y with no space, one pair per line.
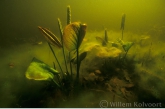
68,15
103,41
63,50
122,24
52,39
73,36
106,35
126,46
38,70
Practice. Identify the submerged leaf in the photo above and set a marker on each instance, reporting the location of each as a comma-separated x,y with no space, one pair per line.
50,37
38,70
127,45
101,40
73,35
81,57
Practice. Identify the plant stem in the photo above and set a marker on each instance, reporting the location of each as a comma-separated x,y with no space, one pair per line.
56,58
122,34
54,65
61,33
70,64
125,55
78,64
58,76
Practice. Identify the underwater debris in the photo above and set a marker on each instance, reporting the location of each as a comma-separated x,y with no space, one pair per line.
144,40
102,52
143,37
98,55
90,77
97,72
11,65
37,43
120,87
89,46
108,52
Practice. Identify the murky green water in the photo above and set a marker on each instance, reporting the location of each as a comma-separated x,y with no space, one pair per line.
117,71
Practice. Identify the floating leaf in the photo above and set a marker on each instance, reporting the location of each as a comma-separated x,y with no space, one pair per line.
73,35
50,37
38,70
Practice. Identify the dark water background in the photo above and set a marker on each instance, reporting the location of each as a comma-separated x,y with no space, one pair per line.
19,33
19,19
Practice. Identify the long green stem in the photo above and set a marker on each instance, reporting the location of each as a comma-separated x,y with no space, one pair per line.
70,64
56,58
122,34
78,64
54,65
58,76
61,33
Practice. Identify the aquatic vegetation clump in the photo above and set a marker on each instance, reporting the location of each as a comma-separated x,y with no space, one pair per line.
106,66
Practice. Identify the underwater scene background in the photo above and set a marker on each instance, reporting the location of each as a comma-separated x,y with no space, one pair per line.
121,53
